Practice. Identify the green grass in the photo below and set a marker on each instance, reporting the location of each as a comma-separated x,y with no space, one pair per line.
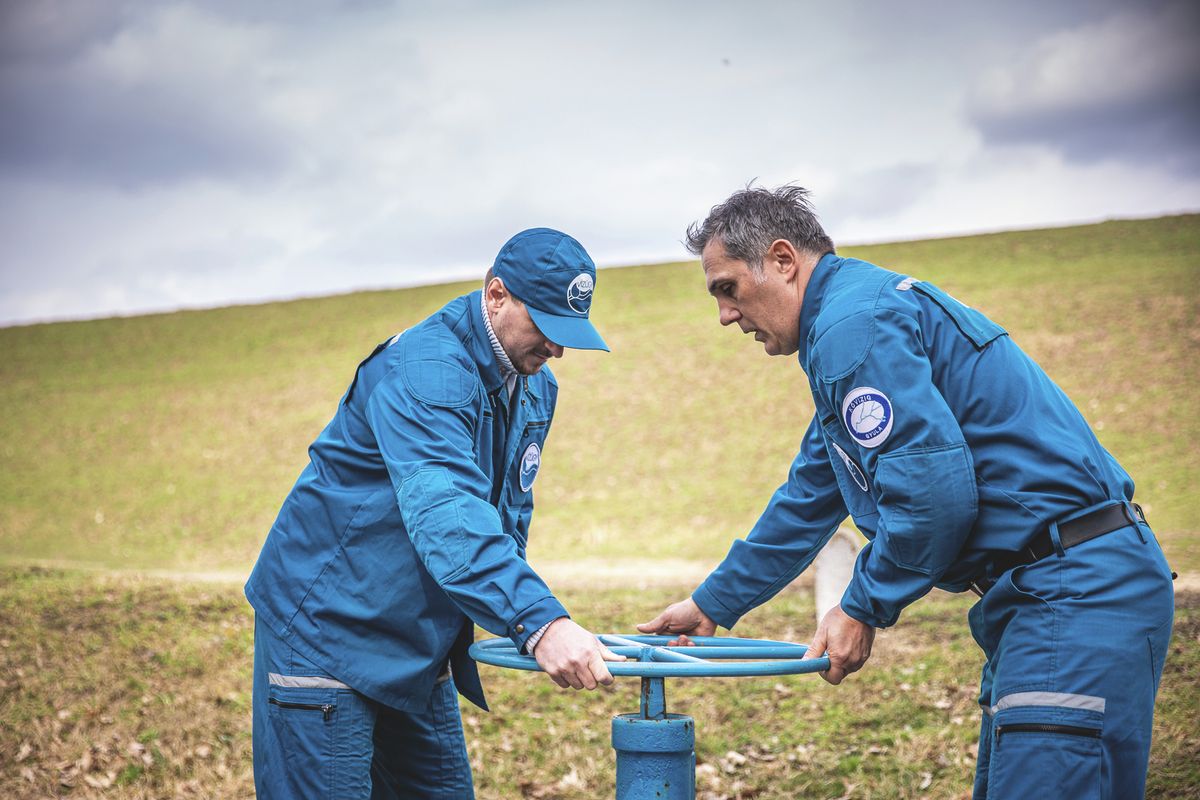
141,689
169,441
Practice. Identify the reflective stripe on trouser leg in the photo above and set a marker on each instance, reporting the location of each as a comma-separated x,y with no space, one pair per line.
1075,645
1051,699
304,681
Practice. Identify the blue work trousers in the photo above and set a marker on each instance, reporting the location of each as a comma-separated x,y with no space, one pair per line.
1075,645
317,739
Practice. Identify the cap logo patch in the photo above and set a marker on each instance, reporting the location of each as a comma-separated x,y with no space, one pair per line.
852,468
867,414
531,461
579,293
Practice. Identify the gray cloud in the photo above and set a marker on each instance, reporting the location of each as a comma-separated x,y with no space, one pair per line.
132,97
70,130
1126,87
53,31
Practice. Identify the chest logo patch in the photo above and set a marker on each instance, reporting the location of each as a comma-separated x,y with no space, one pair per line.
579,293
852,468
867,414
531,461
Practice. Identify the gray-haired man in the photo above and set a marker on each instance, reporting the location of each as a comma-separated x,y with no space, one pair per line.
966,467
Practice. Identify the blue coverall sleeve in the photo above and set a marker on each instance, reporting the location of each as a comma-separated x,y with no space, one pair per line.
797,522
910,443
427,443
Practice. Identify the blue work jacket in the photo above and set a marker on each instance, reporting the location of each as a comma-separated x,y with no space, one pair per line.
411,519
933,430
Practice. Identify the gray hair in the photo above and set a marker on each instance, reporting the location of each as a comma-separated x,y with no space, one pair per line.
751,219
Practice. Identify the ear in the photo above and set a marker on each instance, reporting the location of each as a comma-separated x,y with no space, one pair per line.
495,293
783,258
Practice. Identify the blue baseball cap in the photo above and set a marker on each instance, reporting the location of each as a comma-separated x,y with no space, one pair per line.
554,277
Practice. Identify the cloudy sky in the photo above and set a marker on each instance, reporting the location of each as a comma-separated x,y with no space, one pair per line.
158,155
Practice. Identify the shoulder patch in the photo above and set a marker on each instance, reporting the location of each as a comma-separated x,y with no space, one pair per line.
841,348
868,416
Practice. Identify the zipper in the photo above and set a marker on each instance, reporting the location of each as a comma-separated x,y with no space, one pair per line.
326,709
1042,727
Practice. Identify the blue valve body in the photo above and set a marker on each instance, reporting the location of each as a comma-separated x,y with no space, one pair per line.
656,758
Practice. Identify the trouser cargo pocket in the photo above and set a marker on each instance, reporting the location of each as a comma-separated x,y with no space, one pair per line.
326,709
1046,751
317,746
304,722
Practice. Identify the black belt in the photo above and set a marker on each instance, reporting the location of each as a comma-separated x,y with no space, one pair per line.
1070,533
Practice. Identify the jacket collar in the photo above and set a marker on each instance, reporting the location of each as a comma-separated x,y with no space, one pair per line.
464,316
814,297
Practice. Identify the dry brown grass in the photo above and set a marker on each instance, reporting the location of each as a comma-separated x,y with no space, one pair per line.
133,688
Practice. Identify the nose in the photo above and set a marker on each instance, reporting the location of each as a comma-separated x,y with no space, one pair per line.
727,313
556,350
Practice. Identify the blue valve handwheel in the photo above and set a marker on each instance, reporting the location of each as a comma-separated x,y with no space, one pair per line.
650,657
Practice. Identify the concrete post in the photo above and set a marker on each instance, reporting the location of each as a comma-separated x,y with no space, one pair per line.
833,568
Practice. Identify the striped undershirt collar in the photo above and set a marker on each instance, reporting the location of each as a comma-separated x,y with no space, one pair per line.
508,373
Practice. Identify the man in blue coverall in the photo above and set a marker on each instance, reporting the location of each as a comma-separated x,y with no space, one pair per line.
409,526
965,467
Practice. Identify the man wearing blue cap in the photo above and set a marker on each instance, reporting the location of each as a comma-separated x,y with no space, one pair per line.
407,528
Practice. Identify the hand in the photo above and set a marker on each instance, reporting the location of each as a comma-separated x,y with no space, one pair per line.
683,617
573,657
845,640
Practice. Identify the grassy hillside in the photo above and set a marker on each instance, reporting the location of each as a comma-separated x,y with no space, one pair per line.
170,440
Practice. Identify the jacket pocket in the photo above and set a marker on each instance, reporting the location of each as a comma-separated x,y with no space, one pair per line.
429,508
928,502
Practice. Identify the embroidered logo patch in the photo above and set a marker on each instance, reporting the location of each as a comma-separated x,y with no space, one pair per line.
579,293
530,462
867,414
852,468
